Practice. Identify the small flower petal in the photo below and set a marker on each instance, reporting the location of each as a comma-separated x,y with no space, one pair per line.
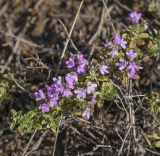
113,53
39,95
44,108
81,93
135,17
70,63
104,69
86,113
131,54
91,87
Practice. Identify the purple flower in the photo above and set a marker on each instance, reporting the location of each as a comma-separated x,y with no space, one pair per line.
133,68
131,54
113,53
58,84
132,73
107,44
80,58
102,58
51,91
86,113
93,100
71,78
91,87
59,87
121,64
53,102
120,41
67,93
44,108
82,63
70,63
81,68
70,85
57,80
81,93
135,16
39,95
104,69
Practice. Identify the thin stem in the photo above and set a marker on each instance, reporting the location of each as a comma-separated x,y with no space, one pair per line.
26,148
105,5
55,142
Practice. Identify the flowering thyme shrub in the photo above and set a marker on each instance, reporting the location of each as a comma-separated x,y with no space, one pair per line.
88,84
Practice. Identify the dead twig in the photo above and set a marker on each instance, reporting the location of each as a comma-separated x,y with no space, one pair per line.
125,7
124,140
108,12
65,29
27,146
23,89
36,146
97,33
153,152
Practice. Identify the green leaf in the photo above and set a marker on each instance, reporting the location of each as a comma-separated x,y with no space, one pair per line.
108,91
153,136
132,44
100,103
140,42
44,122
38,126
144,35
157,144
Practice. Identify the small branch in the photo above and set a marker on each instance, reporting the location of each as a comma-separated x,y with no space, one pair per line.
37,144
17,83
122,5
65,29
153,152
105,5
31,139
120,151
97,33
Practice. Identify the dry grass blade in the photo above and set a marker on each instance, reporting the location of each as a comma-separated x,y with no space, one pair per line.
30,141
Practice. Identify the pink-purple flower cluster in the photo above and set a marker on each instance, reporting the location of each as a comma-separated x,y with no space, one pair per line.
80,63
130,65
55,91
126,61
67,87
120,41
